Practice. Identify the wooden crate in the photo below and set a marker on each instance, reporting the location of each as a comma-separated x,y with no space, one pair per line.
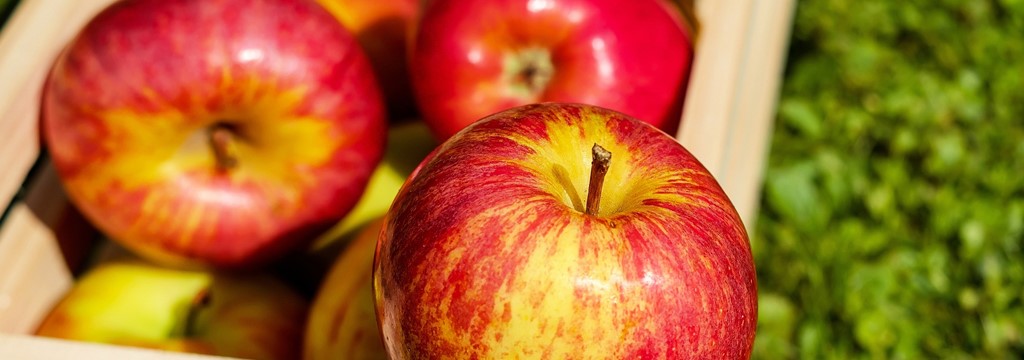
727,121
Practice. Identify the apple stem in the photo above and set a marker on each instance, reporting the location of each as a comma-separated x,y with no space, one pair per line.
201,301
532,76
221,138
530,71
598,169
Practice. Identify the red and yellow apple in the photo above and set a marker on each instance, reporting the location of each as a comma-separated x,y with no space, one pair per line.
383,28
342,321
133,303
509,243
472,58
408,144
217,133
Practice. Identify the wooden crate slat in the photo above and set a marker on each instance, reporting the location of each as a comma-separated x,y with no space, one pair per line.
33,277
39,348
31,39
730,104
42,239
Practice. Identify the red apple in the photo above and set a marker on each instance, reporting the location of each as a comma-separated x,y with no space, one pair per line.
218,133
342,321
472,58
382,28
133,303
505,244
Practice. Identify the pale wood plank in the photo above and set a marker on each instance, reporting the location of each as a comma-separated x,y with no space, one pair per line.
39,348
756,98
31,39
730,105
34,275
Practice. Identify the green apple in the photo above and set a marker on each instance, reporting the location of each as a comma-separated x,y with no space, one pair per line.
133,303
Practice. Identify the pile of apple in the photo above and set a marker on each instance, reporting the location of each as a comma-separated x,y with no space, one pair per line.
450,178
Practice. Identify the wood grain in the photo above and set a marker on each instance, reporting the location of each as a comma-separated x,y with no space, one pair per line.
38,348
30,41
35,263
730,104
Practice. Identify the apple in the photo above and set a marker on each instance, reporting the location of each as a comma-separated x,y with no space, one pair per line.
382,28
472,58
135,303
408,143
198,134
342,321
564,231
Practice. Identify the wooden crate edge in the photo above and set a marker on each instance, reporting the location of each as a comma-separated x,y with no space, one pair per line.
24,347
730,106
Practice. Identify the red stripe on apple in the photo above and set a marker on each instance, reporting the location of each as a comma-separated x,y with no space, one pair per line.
472,58
489,252
218,133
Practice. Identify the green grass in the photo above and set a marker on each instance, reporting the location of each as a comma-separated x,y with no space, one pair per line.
893,213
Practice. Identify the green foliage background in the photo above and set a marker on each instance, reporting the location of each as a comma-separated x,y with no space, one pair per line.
892,219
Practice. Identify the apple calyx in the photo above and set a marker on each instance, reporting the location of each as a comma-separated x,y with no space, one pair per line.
199,302
598,169
222,138
529,71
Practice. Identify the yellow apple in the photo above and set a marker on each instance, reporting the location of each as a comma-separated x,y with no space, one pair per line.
342,322
133,303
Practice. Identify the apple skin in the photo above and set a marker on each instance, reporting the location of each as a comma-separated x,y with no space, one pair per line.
486,252
383,29
130,106
342,320
468,58
408,144
134,303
